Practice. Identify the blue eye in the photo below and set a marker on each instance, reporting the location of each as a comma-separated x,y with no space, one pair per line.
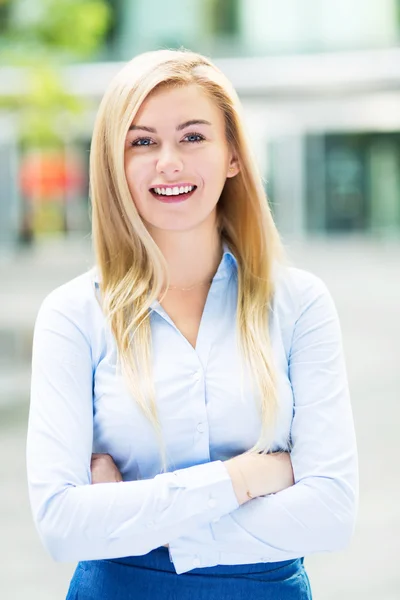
194,137
142,142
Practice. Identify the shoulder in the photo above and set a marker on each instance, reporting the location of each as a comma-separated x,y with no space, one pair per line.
301,302
296,288
74,302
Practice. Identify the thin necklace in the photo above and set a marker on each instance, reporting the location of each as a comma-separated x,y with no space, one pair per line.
187,289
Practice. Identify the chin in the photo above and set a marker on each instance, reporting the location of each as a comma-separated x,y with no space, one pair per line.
173,227
174,224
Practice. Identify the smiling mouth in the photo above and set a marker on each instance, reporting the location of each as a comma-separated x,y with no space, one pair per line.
173,194
173,191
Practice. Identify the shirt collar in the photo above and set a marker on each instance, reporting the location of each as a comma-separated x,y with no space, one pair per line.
228,262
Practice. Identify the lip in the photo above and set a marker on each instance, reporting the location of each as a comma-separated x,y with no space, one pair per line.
172,199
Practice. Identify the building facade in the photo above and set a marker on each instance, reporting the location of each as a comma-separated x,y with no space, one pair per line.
320,86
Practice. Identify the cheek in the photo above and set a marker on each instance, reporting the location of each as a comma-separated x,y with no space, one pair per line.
135,173
215,166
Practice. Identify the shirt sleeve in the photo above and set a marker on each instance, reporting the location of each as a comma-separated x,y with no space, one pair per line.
318,512
77,520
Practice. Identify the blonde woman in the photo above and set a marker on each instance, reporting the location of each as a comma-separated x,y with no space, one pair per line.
190,430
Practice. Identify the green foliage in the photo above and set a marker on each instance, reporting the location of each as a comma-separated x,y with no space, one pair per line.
75,27
39,37
69,29
46,110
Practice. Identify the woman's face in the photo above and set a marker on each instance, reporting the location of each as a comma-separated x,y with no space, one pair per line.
177,159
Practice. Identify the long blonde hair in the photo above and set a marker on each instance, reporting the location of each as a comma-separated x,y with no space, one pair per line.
132,269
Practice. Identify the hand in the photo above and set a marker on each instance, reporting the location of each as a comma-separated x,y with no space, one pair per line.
278,465
104,469
260,474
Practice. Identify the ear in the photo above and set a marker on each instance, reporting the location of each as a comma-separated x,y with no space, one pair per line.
233,168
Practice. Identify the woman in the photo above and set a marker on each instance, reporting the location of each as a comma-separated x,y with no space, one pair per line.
204,374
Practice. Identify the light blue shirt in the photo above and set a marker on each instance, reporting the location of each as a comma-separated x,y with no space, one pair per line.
80,404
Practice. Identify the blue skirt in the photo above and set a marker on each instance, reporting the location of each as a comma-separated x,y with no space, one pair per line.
153,576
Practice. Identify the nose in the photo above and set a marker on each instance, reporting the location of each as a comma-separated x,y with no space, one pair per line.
169,161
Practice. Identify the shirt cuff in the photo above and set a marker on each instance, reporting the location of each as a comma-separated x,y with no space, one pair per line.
209,487
188,553
214,497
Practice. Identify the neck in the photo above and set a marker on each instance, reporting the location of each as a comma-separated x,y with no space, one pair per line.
192,256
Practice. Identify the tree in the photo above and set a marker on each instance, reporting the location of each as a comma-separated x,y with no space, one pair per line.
39,38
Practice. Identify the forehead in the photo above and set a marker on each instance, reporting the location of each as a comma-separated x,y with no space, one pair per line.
178,104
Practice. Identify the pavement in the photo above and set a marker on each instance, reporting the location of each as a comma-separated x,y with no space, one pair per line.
364,279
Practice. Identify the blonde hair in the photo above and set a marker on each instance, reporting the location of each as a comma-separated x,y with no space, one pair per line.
132,268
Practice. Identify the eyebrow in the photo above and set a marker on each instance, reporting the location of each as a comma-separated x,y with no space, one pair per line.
179,127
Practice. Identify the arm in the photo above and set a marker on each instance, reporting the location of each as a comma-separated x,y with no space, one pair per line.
265,474
317,513
76,520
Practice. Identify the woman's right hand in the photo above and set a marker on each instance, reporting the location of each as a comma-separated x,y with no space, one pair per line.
103,469
260,474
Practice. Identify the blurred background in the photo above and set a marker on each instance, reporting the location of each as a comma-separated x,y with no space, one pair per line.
320,85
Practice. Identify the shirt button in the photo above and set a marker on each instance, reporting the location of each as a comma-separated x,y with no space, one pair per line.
196,562
196,376
200,427
212,503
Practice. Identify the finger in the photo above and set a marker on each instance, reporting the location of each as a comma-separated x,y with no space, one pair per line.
95,456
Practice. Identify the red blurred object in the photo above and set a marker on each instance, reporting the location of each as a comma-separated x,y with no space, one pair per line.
47,176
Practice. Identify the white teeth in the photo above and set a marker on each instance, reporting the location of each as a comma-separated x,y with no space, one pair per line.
175,191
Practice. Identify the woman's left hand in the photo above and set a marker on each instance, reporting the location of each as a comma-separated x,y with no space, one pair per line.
104,470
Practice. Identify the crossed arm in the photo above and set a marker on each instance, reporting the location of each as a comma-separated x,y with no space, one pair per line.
256,474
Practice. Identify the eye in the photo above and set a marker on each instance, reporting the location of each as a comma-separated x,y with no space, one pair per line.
194,137
142,141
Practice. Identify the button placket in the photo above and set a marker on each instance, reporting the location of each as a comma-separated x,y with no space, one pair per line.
196,376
